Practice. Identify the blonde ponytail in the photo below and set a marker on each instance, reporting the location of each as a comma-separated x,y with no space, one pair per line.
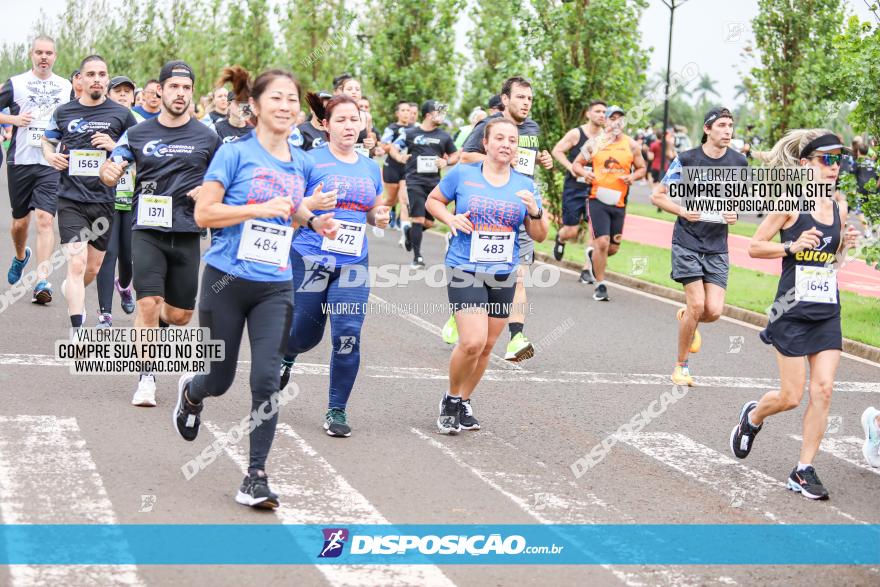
787,150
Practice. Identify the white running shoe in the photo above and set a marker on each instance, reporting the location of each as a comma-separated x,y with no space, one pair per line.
145,396
871,448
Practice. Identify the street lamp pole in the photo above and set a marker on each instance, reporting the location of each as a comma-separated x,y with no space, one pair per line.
671,5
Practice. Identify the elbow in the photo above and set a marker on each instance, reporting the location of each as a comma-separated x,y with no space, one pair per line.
754,250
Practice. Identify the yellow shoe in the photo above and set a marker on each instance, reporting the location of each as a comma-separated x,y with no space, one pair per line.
681,376
697,341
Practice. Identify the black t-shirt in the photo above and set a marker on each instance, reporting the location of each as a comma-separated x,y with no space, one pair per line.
392,132
312,137
529,131
216,117
170,162
703,237
74,125
422,143
229,133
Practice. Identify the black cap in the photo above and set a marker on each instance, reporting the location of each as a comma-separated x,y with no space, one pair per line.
74,74
614,110
713,115
430,106
495,102
176,69
121,80
325,95
823,143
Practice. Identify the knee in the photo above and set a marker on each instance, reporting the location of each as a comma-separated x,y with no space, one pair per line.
820,391
177,316
76,265
473,347
697,309
45,221
612,250
791,398
601,244
711,313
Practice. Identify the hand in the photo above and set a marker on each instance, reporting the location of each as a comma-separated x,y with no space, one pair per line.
59,161
378,151
369,142
627,179
103,141
112,172
326,225
441,163
850,236
461,222
730,217
689,216
807,240
381,216
321,200
278,207
546,160
586,174
402,159
528,198
22,119
194,193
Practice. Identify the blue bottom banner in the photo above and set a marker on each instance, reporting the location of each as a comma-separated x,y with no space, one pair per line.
628,544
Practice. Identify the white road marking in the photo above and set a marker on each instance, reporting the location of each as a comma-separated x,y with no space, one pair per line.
508,375
544,498
313,492
845,448
47,476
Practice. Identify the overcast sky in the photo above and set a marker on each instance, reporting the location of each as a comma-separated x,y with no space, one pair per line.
708,33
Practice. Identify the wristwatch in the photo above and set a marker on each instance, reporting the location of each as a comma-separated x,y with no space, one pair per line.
539,216
310,221
787,247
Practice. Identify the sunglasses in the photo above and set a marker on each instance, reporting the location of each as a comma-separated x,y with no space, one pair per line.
829,160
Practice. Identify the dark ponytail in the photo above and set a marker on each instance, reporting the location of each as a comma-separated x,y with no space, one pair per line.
240,80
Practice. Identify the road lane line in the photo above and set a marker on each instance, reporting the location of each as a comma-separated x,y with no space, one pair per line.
845,448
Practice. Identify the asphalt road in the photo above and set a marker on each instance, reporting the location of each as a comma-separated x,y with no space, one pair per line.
73,449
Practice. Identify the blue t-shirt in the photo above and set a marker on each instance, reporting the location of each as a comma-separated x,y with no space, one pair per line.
493,209
251,175
144,114
359,185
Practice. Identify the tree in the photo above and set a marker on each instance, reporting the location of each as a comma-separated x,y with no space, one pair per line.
705,87
251,42
412,52
796,44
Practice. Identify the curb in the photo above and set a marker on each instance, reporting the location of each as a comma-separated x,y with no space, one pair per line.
853,347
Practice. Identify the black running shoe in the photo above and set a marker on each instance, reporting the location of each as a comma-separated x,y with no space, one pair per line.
335,423
601,293
448,422
587,277
186,415
807,483
418,263
255,492
466,416
743,435
407,243
285,374
558,249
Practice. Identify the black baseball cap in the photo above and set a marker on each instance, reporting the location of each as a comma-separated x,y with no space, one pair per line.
495,102
121,80
713,115
176,69
325,95
431,106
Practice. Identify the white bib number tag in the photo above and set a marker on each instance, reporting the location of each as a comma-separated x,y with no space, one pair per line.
492,247
608,196
716,217
86,162
349,239
265,242
360,148
35,131
815,284
154,211
426,164
126,182
525,161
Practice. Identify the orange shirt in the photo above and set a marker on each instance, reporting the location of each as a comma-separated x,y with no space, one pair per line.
610,164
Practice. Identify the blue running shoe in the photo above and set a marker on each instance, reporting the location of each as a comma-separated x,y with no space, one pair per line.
18,266
42,293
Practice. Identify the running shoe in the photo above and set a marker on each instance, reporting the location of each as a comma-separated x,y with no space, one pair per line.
17,266
871,448
286,370
807,483
466,416
519,349
450,331
742,437
588,267
255,492
587,277
186,415
682,376
407,244
336,424
601,293
447,241
697,340
42,293
418,263
145,396
558,248
402,242
448,421
126,298
378,232
105,320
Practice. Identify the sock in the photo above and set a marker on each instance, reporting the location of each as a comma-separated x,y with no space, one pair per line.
600,283
802,466
683,364
515,328
288,360
415,237
163,324
454,398
76,321
186,397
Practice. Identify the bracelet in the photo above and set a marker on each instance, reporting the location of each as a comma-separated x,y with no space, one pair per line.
310,221
539,216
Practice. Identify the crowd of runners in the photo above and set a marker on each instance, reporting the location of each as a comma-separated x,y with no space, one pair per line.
137,177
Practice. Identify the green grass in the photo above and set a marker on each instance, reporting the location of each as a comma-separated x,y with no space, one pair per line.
749,289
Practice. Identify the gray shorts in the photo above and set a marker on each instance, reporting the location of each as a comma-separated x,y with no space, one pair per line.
689,266
526,247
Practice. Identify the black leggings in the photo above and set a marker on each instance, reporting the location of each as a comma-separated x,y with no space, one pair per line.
226,304
119,247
